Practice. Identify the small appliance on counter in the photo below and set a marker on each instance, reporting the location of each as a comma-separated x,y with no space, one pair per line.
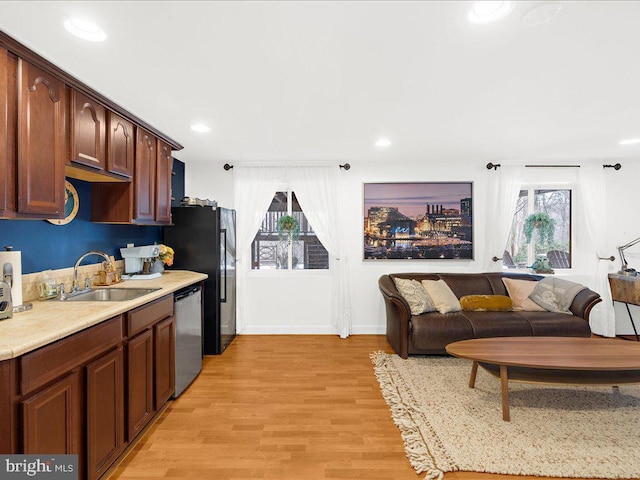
11,267
6,305
138,260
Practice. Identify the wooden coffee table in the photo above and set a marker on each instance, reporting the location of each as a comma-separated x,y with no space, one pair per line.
551,360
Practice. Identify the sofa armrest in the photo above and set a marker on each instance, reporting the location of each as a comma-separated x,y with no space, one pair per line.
398,316
584,302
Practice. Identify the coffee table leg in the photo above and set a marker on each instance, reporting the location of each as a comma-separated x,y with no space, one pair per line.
504,382
474,372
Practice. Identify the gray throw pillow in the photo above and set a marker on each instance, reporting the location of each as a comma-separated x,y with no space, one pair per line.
415,295
555,295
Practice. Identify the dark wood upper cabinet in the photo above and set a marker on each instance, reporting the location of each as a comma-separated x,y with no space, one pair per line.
88,129
41,142
120,145
163,183
4,90
145,177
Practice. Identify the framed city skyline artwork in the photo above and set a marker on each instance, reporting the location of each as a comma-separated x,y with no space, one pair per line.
418,221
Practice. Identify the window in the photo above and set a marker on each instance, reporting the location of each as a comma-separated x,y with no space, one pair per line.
272,248
554,205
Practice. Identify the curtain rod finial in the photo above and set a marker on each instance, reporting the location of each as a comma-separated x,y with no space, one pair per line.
492,165
617,166
346,166
227,166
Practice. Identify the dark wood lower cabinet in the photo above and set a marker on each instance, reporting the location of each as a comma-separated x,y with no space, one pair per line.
139,382
105,412
164,339
52,418
93,392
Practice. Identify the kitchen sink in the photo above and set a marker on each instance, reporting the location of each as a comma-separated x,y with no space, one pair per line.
109,294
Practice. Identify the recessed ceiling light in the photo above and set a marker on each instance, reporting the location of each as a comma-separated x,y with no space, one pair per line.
629,141
382,142
200,128
542,13
85,30
486,11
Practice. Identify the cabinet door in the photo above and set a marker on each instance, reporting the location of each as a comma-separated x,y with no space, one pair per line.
120,143
145,177
163,183
52,418
164,360
88,130
41,142
4,91
105,412
140,382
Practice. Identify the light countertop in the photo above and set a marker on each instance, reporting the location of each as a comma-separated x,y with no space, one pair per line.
51,320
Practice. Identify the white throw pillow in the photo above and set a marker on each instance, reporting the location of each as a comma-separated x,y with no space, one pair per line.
442,296
416,296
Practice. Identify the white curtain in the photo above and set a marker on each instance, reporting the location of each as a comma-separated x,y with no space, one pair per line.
253,191
504,188
317,192
594,199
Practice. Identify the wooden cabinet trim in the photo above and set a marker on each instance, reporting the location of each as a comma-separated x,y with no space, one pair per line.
147,315
49,362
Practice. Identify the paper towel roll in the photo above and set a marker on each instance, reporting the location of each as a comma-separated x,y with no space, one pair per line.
15,259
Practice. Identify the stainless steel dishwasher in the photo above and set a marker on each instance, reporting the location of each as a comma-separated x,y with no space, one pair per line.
188,313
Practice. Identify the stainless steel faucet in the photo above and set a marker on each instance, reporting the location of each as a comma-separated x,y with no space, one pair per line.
75,287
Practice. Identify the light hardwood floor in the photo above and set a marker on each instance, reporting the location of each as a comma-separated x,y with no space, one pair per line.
281,407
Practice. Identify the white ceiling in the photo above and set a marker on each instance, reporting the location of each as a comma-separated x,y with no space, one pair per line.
320,81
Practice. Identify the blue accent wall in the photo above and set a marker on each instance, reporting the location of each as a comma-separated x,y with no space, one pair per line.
48,246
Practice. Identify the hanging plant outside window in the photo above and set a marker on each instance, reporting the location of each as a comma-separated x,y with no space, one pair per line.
288,228
543,223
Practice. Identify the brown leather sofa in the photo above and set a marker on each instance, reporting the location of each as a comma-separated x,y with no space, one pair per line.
429,333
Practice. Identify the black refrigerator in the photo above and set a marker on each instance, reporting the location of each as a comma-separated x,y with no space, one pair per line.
204,240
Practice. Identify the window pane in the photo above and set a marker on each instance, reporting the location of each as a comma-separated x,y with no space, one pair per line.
517,244
557,205
271,251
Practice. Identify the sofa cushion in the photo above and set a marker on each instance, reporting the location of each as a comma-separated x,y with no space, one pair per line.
498,324
556,324
442,296
462,284
431,332
519,291
486,303
415,295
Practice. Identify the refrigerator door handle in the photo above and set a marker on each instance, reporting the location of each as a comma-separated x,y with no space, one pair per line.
223,258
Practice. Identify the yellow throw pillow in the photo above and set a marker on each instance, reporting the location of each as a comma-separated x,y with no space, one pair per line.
486,303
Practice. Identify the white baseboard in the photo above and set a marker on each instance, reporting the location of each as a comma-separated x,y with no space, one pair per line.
309,330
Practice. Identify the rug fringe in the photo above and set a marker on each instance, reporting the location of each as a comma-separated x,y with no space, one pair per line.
402,417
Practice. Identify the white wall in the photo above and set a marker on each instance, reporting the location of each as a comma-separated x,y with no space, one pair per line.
309,293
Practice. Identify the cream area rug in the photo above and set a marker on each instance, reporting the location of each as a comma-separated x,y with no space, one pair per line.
555,431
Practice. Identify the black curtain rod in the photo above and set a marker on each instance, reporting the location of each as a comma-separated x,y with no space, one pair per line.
495,166
228,167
